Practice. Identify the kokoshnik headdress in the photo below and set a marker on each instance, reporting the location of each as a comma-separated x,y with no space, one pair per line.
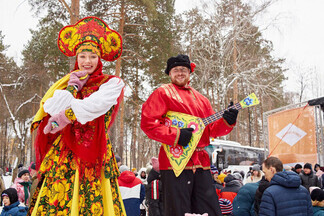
90,34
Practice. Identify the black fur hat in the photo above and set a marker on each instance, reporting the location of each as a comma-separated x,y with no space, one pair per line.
22,172
179,60
11,193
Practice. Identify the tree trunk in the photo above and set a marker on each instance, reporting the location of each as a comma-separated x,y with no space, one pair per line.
118,73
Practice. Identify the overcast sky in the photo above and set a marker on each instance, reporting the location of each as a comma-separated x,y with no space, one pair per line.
297,35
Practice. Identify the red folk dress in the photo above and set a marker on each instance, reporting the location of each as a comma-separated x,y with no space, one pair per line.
170,97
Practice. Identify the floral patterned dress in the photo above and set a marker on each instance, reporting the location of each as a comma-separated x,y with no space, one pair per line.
62,192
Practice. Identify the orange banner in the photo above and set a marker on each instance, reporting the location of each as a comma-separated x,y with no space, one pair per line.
293,140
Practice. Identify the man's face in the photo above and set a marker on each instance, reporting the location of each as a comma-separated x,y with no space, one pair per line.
180,75
307,171
268,173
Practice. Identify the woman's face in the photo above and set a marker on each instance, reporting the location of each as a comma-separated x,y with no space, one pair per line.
25,177
255,172
88,61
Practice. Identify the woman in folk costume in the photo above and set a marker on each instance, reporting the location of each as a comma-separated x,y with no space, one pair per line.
77,166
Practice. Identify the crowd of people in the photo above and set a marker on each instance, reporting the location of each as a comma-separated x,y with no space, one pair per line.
270,189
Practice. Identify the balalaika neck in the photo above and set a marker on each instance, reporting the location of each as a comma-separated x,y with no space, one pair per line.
218,115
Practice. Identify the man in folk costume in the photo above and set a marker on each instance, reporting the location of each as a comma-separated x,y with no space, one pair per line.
77,168
192,191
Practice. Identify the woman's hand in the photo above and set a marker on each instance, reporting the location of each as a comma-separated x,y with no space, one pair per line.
78,79
56,123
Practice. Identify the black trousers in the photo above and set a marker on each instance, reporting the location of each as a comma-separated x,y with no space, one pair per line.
189,193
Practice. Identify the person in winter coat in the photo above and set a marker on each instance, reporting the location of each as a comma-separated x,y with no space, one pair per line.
263,185
142,175
317,196
132,191
22,184
285,196
33,176
308,177
320,174
216,182
232,186
255,176
243,203
9,198
298,168
153,190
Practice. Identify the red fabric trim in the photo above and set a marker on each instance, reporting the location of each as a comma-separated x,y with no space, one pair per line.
43,142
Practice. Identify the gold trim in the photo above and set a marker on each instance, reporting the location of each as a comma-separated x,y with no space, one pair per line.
172,92
177,137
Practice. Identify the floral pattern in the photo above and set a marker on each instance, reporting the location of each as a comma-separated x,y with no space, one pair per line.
58,172
94,30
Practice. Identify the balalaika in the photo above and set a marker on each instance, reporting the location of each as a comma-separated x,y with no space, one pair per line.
178,155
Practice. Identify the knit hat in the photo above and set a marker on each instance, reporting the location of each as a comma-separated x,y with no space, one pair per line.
308,166
134,169
221,177
179,60
155,164
32,166
11,193
213,169
298,166
225,206
237,176
123,168
22,172
256,168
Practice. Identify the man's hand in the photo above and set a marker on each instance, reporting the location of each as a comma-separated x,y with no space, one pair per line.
185,136
230,115
56,123
78,79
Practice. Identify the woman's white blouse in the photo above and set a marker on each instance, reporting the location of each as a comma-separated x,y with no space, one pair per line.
90,108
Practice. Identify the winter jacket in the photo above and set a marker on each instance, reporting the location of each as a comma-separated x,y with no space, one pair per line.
318,211
285,196
132,192
218,187
154,194
309,180
263,185
21,191
243,203
232,186
14,210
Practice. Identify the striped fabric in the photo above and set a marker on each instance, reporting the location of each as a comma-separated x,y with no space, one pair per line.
226,206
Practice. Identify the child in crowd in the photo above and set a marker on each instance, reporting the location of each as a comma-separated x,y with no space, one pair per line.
317,196
10,201
22,184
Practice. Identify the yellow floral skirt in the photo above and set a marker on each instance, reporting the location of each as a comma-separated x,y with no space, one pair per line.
62,192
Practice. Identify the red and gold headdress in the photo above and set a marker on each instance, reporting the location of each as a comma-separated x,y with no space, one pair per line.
90,34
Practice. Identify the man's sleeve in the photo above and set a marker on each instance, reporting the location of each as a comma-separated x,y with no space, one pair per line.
152,122
267,206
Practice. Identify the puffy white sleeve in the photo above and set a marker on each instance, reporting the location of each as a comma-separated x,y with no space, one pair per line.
89,108
99,102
